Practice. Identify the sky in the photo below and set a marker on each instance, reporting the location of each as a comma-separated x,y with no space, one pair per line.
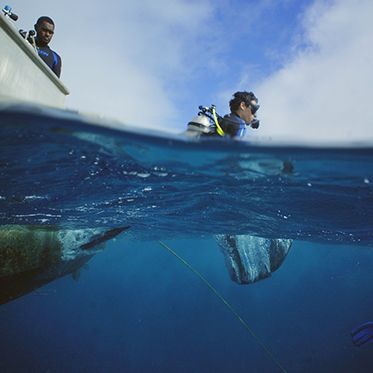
152,63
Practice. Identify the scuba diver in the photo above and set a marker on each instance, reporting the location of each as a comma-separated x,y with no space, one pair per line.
243,106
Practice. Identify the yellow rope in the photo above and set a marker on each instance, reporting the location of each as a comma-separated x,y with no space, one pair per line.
240,319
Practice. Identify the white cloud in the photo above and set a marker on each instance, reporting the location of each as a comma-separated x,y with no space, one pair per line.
124,59
324,92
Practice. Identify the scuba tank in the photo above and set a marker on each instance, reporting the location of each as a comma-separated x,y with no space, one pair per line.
205,123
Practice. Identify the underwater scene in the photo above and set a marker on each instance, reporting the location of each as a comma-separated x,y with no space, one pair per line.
124,250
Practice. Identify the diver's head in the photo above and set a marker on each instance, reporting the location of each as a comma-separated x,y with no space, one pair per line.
44,28
245,105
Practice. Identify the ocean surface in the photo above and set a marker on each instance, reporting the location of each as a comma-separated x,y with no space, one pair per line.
91,217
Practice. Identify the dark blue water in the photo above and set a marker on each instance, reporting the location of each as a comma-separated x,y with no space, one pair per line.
135,307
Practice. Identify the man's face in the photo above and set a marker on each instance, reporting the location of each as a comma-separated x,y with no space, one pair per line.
45,32
246,113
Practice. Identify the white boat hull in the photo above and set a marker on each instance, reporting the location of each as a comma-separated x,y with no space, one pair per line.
23,74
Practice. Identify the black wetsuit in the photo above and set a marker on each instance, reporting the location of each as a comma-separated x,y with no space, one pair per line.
51,58
233,125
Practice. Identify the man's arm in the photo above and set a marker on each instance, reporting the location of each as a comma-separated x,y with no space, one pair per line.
57,65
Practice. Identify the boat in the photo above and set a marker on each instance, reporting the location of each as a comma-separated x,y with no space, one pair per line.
24,76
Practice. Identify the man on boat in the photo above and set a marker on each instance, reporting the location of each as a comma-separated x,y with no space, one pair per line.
44,28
